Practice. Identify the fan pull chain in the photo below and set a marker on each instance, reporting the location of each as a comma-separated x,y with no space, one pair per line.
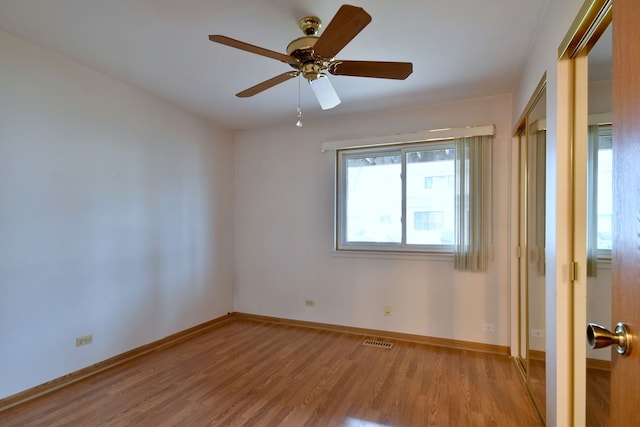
299,122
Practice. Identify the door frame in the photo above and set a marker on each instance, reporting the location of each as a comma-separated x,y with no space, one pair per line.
520,149
592,20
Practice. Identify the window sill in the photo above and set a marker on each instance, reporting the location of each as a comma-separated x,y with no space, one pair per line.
394,255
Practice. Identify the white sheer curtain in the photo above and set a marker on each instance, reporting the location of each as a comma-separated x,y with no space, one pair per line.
473,203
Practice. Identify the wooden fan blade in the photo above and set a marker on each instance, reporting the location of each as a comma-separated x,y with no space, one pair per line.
253,90
345,25
228,41
377,69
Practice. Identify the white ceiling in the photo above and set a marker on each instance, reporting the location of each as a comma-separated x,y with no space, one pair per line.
459,49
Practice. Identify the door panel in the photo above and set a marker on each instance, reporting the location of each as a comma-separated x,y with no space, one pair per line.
531,147
625,375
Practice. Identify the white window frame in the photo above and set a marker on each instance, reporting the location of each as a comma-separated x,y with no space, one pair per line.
606,132
341,243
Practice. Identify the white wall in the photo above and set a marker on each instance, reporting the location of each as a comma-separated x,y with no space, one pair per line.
284,234
116,217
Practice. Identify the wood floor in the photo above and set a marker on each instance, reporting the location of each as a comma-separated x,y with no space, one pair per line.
598,392
249,373
598,397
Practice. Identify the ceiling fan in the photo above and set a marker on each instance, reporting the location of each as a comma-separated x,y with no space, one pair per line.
312,56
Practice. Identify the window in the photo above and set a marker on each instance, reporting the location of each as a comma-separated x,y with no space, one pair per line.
604,182
599,196
379,187
600,189
428,191
373,197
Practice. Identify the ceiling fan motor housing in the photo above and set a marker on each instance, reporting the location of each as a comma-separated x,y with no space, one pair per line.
308,63
302,47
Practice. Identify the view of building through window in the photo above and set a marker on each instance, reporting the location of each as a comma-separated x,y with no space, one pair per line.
374,196
430,196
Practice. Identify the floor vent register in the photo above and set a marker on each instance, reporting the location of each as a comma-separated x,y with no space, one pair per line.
378,344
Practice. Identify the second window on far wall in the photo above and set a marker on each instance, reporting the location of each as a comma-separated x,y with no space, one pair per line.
398,198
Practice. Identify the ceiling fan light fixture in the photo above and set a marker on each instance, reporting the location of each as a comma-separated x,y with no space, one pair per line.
311,70
324,92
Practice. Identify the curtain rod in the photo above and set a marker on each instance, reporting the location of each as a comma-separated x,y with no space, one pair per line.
424,136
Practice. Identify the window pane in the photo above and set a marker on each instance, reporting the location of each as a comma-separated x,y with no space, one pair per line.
430,196
374,199
605,188
428,220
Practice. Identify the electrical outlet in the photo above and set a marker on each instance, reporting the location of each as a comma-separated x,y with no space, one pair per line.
387,310
310,303
84,340
489,327
537,333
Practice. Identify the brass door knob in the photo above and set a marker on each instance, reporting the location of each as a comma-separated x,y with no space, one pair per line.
598,337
